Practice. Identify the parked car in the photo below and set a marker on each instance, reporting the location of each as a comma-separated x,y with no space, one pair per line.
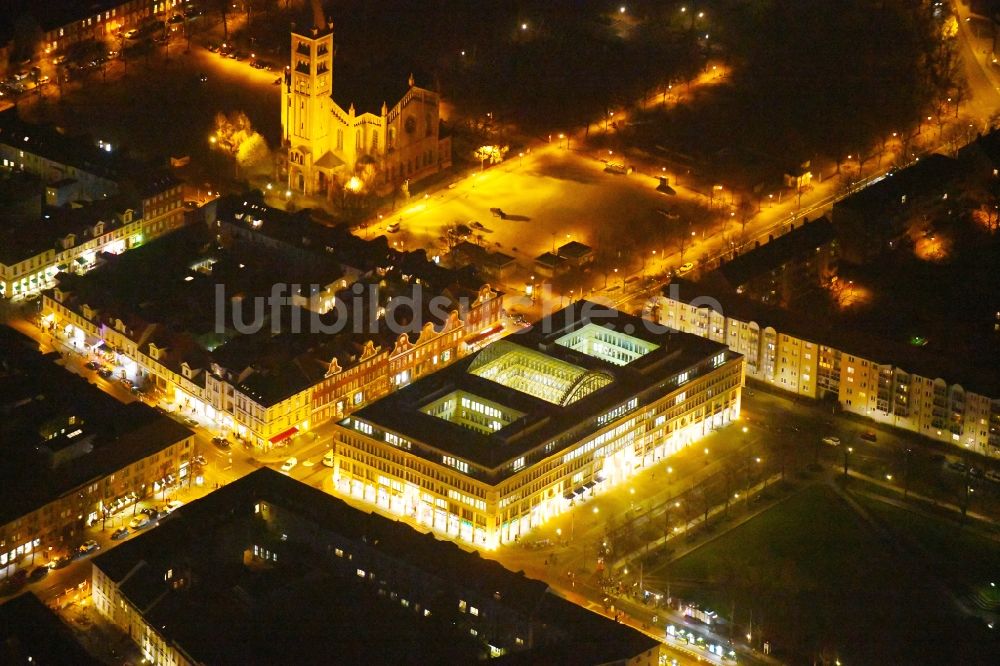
190,422
172,506
831,441
132,34
120,533
289,464
92,365
127,383
105,372
328,458
221,443
137,391
957,466
88,547
685,268
869,436
393,227
151,512
38,573
139,522
61,562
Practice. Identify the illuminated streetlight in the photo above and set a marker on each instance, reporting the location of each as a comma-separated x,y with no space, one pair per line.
621,10
595,509
524,26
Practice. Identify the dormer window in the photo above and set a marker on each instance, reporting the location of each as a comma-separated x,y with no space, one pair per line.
154,351
186,370
99,229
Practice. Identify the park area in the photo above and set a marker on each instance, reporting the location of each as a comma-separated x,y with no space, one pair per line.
821,582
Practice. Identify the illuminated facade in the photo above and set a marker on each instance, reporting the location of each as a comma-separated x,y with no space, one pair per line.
85,213
265,386
74,456
494,446
854,375
273,551
328,144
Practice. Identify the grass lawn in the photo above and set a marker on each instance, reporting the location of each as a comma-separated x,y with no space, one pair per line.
964,559
820,580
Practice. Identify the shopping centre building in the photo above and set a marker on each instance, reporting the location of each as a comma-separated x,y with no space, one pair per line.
501,441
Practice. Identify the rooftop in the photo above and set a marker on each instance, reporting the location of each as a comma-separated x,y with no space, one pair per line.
299,603
777,252
59,432
550,384
30,632
51,143
926,177
977,372
165,294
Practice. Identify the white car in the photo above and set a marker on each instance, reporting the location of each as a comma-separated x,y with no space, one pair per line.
685,268
139,522
289,464
172,506
831,441
328,459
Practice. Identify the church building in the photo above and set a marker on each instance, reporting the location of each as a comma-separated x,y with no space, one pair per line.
329,143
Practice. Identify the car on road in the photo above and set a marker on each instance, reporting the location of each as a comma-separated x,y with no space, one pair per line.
393,227
685,268
105,372
120,533
138,522
190,422
202,77
277,81
135,390
957,466
831,441
88,547
221,443
151,512
289,464
199,460
92,365
172,506
132,34
61,562
328,459
869,436
39,573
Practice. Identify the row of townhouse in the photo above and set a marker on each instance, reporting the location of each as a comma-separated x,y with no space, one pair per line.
101,21
851,372
266,407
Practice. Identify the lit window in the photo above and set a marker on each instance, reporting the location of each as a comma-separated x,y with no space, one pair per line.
462,605
474,611
361,573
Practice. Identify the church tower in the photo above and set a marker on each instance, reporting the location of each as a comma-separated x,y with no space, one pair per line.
305,109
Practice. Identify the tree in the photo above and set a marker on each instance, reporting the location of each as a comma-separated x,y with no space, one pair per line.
27,36
252,151
235,136
494,154
222,7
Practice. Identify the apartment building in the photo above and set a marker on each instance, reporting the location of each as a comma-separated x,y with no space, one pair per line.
73,455
901,386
